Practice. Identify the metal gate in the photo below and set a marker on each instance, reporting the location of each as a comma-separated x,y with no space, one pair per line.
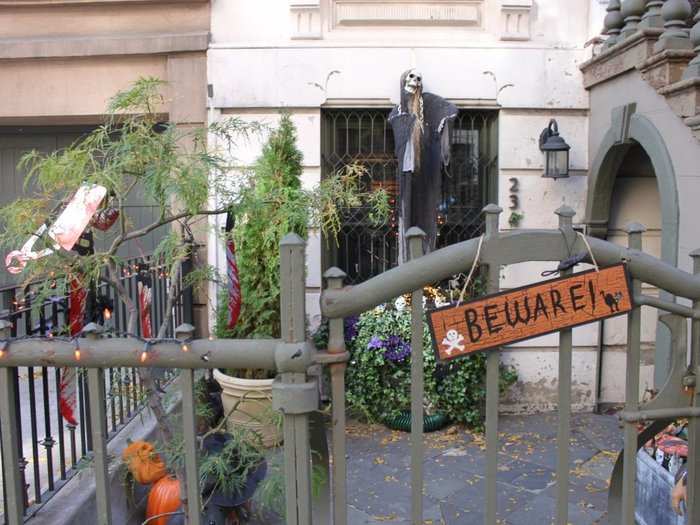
363,136
678,398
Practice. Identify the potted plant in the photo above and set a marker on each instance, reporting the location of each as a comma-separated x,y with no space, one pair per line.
231,466
272,202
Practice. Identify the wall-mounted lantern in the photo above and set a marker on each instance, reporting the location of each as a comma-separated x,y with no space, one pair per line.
556,152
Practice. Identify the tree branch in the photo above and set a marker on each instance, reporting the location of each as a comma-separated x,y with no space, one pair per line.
124,237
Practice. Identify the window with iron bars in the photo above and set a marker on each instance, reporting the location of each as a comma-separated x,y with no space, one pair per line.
364,136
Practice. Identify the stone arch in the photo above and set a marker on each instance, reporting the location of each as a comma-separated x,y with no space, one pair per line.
628,128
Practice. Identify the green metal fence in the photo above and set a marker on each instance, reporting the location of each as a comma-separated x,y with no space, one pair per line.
678,398
295,392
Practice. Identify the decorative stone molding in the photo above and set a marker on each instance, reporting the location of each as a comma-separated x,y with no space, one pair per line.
407,13
666,67
683,97
619,58
515,18
103,46
305,19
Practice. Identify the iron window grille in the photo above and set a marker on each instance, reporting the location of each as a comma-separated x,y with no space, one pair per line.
364,136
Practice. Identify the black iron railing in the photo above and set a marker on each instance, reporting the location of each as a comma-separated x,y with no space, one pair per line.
50,448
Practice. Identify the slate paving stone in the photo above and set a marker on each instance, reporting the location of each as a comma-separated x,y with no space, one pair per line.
604,432
544,424
383,492
544,451
379,475
467,506
542,511
600,465
584,490
530,476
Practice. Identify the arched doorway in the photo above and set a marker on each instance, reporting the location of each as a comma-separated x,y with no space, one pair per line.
632,179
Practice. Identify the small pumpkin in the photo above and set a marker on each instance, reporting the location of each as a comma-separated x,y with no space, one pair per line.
144,463
163,498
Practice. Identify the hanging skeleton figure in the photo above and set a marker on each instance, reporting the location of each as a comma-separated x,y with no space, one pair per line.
421,124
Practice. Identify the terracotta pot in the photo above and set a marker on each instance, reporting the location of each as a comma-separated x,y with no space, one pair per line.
254,410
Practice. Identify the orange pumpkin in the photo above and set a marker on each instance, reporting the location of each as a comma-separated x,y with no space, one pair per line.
143,462
163,498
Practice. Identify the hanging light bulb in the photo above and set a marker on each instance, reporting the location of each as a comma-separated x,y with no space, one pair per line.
144,353
107,314
3,349
76,352
185,347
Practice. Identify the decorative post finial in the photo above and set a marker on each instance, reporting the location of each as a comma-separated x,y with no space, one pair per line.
693,69
492,213
632,11
652,16
566,216
613,23
634,235
675,35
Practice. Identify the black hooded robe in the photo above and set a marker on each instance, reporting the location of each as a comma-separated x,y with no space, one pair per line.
420,189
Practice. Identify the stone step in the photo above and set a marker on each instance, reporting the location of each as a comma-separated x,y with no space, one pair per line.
665,68
683,97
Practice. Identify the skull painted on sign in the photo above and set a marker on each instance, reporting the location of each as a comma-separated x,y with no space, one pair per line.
413,81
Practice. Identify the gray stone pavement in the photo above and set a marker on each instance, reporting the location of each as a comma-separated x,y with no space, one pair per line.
379,474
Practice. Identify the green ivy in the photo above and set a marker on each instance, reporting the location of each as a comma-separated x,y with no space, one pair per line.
378,387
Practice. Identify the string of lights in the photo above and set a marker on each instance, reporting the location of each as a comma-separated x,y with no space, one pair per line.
5,343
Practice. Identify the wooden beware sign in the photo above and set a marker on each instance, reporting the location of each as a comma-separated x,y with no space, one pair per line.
530,311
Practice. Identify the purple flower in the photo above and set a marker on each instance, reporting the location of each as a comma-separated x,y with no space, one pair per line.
375,343
351,327
397,350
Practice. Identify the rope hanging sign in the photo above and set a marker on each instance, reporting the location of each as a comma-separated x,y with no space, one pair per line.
530,311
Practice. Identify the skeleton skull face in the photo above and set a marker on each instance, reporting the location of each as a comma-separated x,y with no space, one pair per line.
452,335
413,82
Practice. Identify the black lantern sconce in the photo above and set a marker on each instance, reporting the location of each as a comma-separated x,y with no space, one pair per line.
556,152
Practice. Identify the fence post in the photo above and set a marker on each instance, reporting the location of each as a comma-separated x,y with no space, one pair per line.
336,345
184,332
292,393
629,465
415,237
98,427
14,512
566,215
693,488
493,362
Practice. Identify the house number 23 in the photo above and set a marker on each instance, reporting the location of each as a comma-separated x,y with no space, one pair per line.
514,187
